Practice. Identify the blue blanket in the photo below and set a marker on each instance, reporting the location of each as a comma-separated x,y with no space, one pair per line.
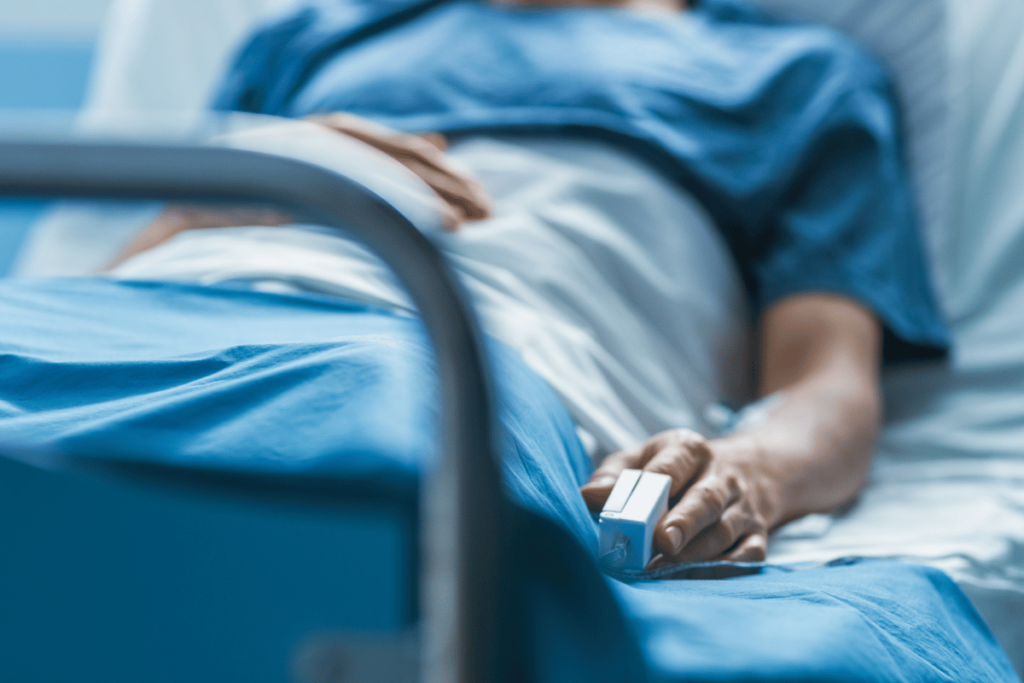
280,385
259,383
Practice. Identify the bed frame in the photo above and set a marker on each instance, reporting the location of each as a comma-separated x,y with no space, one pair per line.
464,516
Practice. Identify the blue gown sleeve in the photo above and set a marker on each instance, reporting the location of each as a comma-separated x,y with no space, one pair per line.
846,223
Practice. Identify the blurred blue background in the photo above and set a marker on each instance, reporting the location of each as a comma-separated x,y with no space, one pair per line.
39,74
46,49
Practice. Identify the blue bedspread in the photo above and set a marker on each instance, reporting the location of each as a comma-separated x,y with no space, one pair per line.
284,385
247,381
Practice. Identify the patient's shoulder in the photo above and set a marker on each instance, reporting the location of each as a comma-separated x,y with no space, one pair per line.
819,52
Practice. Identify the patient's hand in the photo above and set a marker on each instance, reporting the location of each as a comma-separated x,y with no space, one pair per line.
820,353
464,198
723,502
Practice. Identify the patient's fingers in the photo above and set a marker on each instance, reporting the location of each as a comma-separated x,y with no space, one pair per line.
753,548
703,505
464,194
426,160
723,495
739,533
718,538
437,140
191,217
680,453
465,198
682,456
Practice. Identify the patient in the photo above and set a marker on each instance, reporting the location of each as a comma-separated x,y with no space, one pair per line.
633,189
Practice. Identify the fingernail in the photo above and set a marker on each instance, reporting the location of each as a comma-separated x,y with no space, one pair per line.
675,538
601,482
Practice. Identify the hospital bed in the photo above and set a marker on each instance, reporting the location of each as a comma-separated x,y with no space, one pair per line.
953,431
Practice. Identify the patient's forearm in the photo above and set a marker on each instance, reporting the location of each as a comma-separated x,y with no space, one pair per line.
815,448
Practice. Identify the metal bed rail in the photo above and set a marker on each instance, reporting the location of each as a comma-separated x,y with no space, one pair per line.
462,504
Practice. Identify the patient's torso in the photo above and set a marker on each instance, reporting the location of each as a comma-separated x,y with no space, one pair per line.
612,284
787,135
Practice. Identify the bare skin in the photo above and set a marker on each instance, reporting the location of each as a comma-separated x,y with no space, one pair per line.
811,455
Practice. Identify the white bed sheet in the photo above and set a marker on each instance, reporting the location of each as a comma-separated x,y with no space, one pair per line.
963,515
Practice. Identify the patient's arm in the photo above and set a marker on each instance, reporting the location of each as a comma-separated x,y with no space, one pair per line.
811,455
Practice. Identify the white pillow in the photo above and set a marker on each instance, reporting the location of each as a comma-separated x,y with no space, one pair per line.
911,38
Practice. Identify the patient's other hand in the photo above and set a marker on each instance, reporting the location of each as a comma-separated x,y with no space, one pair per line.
464,199
722,498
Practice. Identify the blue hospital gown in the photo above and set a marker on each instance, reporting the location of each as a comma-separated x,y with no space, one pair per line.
787,134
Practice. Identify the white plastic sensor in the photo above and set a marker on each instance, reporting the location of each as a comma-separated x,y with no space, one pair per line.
637,501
